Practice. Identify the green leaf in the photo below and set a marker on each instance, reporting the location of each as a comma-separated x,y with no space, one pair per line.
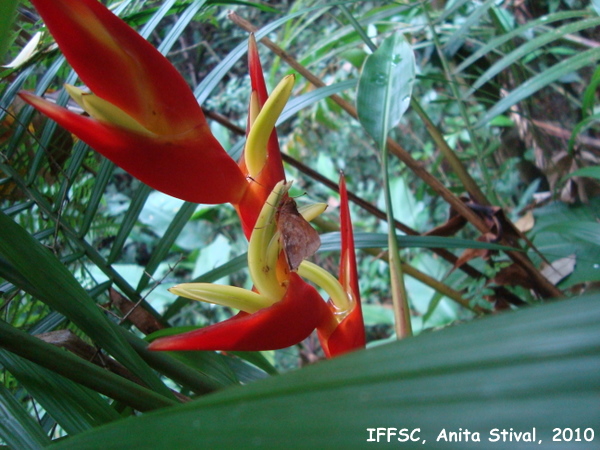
541,80
166,242
523,30
536,367
579,128
211,374
556,245
591,172
79,370
531,46
7,15
155,19
457,39
331,242
237,263
588,232
74,407
17,428
385,86
179,27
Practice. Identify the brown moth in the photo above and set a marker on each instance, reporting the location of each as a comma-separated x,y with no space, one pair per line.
298,239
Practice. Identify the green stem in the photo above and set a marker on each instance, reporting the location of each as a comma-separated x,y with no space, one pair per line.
403,326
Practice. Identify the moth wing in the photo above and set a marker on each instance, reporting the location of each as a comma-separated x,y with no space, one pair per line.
298,238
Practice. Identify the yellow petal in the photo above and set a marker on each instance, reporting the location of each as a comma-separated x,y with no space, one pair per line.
232,296
261,261
255,152
312,211
329,284
104,111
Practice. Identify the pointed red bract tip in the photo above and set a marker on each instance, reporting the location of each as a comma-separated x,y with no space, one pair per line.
349,334
192,167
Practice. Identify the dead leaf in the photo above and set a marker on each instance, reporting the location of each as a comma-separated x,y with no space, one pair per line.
526,222
142,319
559,269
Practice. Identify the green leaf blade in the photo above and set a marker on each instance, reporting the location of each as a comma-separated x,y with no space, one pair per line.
17,428
385,86
478,376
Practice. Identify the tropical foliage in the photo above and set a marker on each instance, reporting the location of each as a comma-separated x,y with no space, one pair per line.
471,127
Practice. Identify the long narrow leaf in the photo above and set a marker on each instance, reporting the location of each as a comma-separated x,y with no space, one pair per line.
540,81
331,242
17,428
57,287
74,407
79,370
531,46
182,22
166,242
522,30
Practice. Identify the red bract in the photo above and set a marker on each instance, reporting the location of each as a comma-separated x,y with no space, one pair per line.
169,163
262,184
149,122
349,334
286,309
281,325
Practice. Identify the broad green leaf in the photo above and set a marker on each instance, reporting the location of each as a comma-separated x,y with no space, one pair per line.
537,367
385,86
563,243
384,94
588,232
17,428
